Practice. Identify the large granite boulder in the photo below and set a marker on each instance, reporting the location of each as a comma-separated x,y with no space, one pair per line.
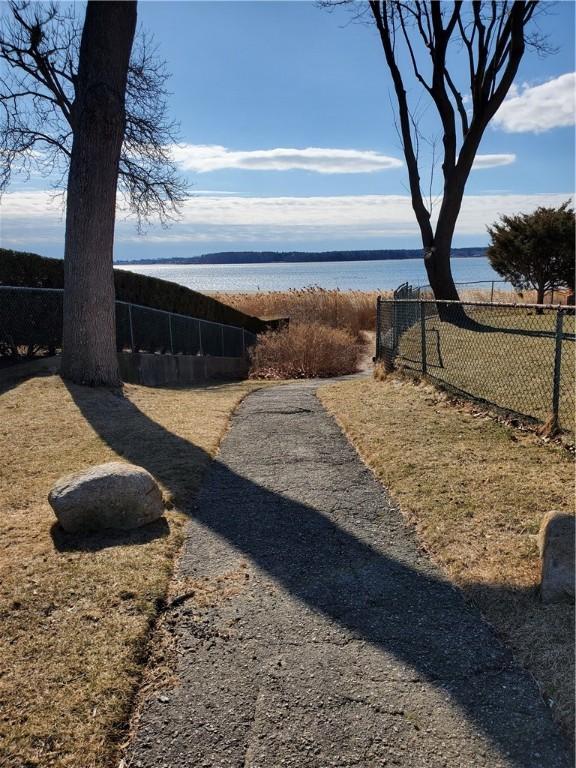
113,495
556,544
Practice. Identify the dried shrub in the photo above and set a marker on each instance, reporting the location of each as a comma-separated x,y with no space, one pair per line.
305,350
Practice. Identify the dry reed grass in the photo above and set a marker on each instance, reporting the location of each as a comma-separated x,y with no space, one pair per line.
476,491
75,612
353,311
305,350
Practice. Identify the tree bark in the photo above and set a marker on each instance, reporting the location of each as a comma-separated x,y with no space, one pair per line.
89,332
438,269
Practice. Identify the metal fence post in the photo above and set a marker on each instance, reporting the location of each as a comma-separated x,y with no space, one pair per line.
170,329
423,336
492,293
378,321
557,366
131,328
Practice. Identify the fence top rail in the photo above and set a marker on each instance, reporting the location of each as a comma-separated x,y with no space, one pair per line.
131,304
30,288
505,304
178,314
472,282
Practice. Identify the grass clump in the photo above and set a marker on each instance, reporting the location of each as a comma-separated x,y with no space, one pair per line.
305,350
75,612
476,492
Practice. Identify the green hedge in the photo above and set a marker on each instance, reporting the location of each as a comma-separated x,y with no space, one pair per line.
29,269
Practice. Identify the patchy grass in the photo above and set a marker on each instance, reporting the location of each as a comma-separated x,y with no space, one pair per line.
476,492
75,612
505,356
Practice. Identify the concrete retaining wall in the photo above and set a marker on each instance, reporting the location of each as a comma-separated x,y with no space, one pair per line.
159,370
146,369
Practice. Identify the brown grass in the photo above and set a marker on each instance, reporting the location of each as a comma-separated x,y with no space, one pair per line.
353,311
476,491
305,350
506,359
75,612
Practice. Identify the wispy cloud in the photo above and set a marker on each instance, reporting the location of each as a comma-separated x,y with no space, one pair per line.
203,158
539,108
31,218
492,161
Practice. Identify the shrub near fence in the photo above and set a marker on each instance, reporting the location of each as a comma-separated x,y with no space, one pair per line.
518,357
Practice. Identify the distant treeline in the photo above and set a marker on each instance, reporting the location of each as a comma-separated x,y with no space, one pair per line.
278,257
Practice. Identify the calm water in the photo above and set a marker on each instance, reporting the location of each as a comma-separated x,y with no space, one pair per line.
346,275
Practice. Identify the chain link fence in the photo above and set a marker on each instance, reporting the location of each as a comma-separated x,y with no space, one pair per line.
519,357
31,323
492,291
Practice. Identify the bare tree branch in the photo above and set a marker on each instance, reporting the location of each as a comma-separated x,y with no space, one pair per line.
39,51
493,37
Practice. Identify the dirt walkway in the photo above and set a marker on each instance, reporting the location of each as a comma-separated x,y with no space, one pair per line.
318,634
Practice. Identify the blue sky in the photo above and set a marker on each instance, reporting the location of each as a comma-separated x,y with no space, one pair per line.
252,78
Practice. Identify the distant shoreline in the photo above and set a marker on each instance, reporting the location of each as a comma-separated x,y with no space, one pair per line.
299,257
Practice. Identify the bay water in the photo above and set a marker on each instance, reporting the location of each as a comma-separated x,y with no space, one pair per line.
345,275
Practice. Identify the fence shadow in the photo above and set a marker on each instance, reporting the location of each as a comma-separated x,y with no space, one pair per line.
360,589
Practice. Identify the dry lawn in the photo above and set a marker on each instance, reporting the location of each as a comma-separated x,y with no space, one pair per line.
476,492
75,612
506,359
510,296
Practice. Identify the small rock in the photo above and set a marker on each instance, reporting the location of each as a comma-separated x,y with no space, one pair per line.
556,544
112,495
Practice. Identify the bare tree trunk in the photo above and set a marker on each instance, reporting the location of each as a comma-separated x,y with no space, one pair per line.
437,263
437,259
540,296
89,333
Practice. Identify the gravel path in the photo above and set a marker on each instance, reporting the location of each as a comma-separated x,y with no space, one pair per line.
316,633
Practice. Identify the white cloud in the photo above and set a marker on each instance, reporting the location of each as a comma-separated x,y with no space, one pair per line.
492,161
31,217
539,108
203,158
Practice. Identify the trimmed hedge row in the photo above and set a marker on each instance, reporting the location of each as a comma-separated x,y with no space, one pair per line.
31,270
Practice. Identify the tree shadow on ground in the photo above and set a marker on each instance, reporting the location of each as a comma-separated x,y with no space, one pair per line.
468,322
364,593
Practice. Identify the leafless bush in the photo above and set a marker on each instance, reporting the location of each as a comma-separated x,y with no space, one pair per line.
305,350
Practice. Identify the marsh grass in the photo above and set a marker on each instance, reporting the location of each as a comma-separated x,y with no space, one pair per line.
352,311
